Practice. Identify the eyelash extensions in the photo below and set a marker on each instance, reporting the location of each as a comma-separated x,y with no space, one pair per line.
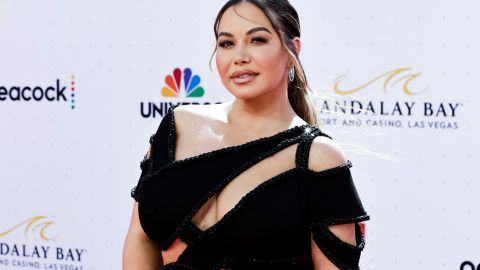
227,43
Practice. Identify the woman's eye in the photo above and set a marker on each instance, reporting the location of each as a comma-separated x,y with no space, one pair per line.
224,44
259,40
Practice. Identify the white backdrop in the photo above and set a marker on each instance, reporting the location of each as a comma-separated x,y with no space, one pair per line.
67,164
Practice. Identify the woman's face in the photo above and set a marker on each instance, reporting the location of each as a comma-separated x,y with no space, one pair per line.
250,58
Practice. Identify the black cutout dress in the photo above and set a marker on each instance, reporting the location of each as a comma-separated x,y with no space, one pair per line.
270,227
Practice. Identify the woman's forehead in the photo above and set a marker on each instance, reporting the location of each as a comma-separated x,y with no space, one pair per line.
243,17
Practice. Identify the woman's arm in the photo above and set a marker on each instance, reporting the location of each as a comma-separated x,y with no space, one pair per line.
139,252
346,232
325,154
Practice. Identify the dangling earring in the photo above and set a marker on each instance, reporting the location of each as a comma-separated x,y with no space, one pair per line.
291,74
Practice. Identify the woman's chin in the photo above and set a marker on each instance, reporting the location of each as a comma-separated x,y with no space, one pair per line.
248,95
244,93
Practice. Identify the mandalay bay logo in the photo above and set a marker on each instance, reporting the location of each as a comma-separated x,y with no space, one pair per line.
404,104
32,246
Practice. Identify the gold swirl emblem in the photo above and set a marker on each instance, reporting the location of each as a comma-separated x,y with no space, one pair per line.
32,224
399,74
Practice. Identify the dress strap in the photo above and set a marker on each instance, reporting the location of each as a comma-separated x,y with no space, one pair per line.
303,148
171,132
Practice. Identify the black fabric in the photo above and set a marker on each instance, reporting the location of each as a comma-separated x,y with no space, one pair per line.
333,200
271,226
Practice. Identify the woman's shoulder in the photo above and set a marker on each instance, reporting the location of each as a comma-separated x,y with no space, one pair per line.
192,118
195,112
325,154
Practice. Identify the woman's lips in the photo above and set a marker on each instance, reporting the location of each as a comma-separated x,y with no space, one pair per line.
244,78
241,77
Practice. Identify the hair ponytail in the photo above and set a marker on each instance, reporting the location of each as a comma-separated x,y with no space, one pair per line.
299,94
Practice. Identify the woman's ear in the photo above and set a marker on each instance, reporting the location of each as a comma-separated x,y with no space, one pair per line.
298,44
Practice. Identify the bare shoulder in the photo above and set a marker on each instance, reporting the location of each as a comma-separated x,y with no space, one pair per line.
186,117
196,111
186,111
190,118
325,153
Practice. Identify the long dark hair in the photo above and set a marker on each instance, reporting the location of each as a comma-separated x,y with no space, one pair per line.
285,21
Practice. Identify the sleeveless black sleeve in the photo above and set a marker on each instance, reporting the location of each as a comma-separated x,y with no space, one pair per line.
160,153
333,199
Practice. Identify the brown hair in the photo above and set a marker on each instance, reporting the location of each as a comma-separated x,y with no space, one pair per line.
285,21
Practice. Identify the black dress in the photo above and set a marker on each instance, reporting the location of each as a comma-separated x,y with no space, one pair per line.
270,227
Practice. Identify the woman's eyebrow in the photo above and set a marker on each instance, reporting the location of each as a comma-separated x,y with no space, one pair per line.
249,32
256,29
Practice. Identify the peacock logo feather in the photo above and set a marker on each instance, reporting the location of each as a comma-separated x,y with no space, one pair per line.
191,84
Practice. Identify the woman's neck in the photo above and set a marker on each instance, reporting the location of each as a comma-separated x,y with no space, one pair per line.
260,114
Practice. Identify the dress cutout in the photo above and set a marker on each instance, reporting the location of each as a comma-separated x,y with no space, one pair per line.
270,222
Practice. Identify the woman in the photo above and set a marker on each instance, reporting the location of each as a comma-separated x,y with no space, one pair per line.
251,183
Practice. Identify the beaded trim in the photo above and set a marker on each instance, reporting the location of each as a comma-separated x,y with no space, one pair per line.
146,164
299,259
303,150
330,256
324,229
304,138
171,147
148,155
149,159
152,154
323,225
336,221
339,168
294,260
303,153
178,266
209,231
172,132
225,181
189,232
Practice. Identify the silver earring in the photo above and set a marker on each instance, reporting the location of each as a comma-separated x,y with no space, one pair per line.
291,74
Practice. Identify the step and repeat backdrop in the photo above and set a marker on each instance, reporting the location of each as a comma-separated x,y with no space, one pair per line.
83,84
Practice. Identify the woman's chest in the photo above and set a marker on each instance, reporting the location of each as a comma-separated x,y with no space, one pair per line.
272,210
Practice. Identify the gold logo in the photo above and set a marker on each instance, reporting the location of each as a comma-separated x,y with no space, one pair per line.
400,74
32,224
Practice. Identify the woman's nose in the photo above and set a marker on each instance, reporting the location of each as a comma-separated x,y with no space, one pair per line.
242,56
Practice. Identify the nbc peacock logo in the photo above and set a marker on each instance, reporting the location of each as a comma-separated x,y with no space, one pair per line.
191,84
172,93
